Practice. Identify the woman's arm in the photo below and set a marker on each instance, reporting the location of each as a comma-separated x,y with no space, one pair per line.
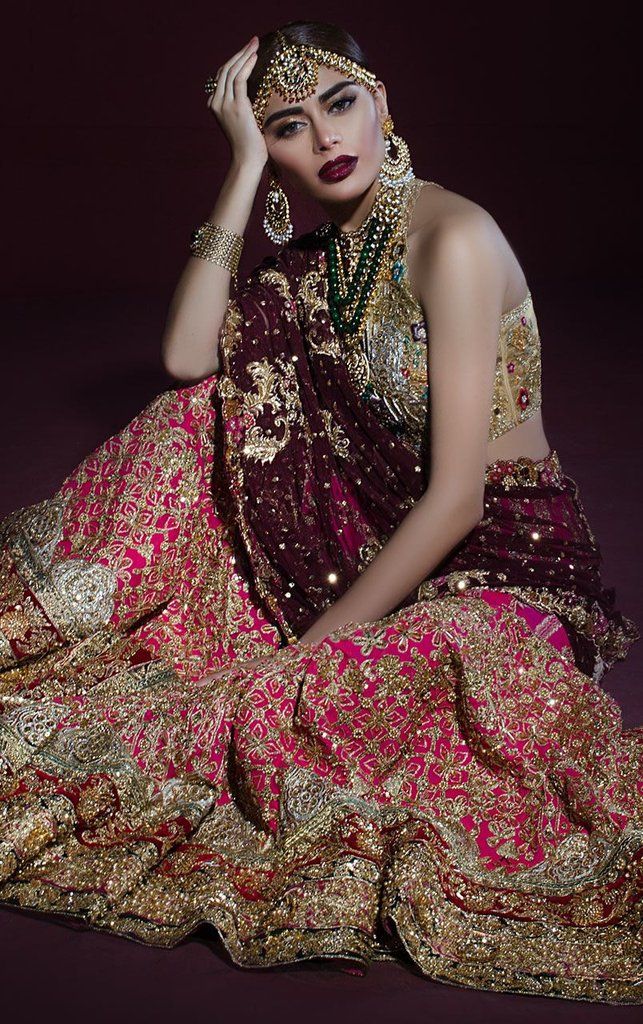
189,347
461,285
198,305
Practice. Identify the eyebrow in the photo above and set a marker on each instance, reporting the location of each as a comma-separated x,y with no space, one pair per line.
298,110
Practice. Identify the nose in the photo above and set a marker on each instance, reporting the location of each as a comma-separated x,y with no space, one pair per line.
325,136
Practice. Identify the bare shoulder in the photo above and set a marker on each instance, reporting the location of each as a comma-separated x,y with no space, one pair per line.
441,215
439,212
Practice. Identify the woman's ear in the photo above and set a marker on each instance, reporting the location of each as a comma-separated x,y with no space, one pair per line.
380,99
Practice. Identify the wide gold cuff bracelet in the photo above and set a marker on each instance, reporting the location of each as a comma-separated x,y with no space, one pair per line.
217,245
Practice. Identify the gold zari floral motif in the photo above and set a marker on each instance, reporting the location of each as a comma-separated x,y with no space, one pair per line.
342,867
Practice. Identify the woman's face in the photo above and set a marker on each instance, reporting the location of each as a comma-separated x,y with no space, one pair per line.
323,127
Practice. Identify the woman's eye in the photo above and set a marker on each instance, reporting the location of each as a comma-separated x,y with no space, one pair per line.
345,99
347,102
284,131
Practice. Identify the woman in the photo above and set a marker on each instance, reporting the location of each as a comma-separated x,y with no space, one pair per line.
428,768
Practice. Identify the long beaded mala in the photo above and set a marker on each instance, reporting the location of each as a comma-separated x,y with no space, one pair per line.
351,279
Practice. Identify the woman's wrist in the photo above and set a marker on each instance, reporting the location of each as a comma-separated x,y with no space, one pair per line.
246,170
236,197
217,245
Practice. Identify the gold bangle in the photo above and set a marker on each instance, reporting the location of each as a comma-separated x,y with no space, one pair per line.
217,245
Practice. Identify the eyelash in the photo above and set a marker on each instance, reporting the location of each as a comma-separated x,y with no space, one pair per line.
349,100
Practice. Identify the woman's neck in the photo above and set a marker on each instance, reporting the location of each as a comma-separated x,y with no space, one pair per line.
349,216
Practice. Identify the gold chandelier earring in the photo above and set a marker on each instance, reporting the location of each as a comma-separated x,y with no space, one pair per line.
396,167
276,221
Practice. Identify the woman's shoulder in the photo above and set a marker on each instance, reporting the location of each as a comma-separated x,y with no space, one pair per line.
445,225
439,211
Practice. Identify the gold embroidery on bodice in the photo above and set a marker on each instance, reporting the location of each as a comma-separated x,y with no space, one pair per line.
388,363
517,392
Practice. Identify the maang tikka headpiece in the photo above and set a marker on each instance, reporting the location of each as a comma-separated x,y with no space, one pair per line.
293,72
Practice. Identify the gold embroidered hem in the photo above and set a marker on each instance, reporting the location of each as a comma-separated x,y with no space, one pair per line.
418,929
143,804
513,956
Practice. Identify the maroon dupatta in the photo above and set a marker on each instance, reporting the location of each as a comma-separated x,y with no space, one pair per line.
315,478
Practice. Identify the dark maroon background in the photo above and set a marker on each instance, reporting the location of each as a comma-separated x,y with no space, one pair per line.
110,158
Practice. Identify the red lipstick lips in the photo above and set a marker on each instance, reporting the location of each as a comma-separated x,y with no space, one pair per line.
340,167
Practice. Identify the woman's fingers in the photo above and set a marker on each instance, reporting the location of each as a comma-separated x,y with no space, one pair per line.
239,88
233,666
216,91
223,72
235,70
230,104
236,56
226,68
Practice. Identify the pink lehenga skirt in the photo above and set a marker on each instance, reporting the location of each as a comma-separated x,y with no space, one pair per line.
444,786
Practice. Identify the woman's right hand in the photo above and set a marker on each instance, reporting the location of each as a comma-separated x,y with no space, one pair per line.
231,106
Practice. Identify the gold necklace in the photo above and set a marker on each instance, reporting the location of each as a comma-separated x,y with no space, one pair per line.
357,259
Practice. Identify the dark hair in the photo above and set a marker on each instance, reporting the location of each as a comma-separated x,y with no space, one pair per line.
315,33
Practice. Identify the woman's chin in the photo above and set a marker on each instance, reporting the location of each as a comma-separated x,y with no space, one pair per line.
352,187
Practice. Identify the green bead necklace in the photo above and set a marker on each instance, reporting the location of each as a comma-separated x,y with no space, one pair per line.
355,259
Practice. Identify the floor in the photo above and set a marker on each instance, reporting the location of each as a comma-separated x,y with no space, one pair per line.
76,369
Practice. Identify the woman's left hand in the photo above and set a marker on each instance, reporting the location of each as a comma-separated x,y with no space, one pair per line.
249,663
232,666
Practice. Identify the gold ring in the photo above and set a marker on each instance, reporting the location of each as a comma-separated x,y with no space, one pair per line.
211,84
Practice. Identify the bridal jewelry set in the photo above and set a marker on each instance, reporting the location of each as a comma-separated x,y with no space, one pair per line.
356,258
